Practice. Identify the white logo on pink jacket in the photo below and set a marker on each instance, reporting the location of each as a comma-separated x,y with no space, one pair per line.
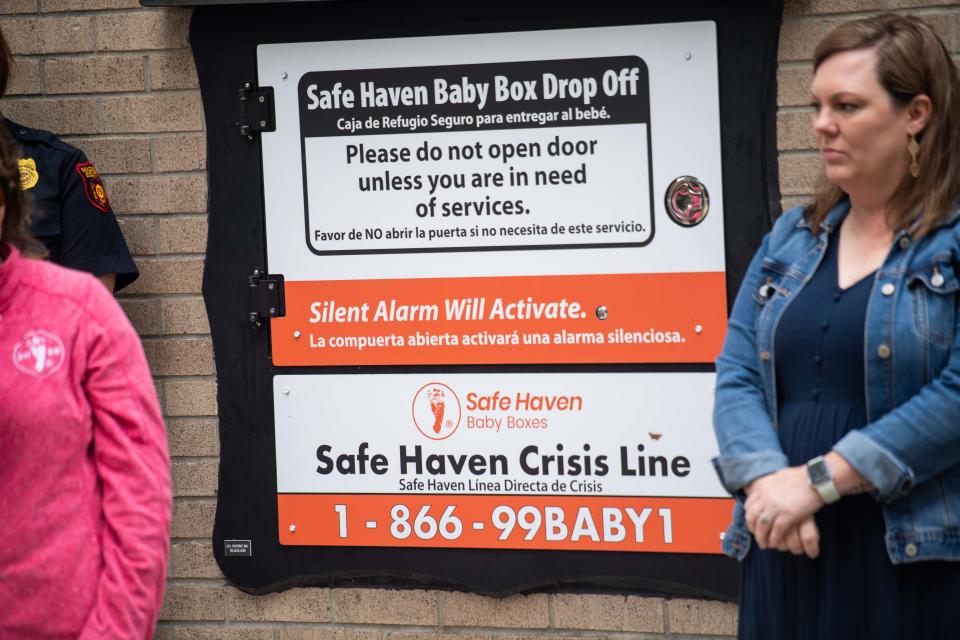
40,353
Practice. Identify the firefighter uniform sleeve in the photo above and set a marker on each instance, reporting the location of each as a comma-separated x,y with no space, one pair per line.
90,238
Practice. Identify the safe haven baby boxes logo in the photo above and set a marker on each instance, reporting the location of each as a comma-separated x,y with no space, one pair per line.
39,353
436,411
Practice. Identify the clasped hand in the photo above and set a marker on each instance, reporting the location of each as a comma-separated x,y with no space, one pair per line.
779,510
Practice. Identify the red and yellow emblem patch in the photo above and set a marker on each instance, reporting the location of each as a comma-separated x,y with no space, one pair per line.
93,186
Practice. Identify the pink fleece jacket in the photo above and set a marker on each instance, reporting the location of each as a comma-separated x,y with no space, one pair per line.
85,496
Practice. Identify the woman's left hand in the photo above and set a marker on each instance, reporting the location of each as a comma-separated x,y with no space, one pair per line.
777,503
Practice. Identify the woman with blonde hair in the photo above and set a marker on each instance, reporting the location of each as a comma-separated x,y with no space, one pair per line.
838,389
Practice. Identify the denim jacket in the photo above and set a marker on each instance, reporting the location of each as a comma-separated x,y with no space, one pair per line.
909,449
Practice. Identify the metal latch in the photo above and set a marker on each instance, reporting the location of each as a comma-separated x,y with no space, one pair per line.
266,297
256,110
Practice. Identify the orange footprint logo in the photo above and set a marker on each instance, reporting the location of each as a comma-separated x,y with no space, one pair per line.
436,411
437,407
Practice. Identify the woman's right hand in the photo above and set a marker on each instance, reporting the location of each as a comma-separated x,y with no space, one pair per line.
803,539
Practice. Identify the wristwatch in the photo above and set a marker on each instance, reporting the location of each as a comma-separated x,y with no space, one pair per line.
821,480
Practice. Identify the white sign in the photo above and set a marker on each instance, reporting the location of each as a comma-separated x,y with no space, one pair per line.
611,462
532,153
624,434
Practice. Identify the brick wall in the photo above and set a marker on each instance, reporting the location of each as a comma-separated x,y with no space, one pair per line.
118,80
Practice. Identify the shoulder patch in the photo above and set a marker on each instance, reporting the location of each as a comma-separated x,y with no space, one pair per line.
28,173
93,186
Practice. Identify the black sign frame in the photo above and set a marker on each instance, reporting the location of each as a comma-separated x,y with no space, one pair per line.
224,40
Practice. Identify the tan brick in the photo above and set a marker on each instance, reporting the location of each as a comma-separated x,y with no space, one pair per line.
192,602
167,276
811,7
193,560
798,39
62,116
293,605
611,613
794,130
321,633
436,635
708,617
385,606
173,71
183,315
60,34
52,6
140,30
180,153
555,635
159,194
183,234
179,357
18,6
192,519
116,155
793,86
789,203
909,4
193,437
94,74
195,478
25,78
163,632
796,7
470,610
140,234
230,633
190,398
800,174
152,113
144,315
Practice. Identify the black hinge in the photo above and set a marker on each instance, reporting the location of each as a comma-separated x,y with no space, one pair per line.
256,110
266,297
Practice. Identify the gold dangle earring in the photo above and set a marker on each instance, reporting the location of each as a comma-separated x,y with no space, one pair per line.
914,148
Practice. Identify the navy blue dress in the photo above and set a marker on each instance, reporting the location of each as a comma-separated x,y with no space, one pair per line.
852,590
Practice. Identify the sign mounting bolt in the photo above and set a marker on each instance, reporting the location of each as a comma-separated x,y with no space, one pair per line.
687,56
286,391
602,312
698,328
293,528
296,334
283,75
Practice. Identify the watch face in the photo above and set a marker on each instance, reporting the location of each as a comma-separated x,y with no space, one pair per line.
818,472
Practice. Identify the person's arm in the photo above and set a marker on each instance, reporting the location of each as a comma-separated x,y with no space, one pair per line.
749,447
109,280
915,441
911,444
133,466
90,237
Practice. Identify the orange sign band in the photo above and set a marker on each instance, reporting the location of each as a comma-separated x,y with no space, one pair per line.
595,523
630,318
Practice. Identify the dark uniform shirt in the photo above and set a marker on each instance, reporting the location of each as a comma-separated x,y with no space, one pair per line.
72,214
